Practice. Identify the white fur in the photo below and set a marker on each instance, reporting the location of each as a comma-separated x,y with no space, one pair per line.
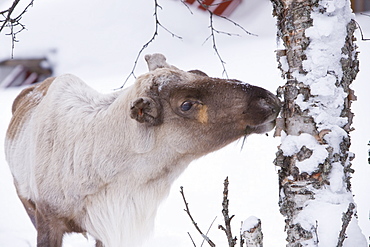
79,154
101,167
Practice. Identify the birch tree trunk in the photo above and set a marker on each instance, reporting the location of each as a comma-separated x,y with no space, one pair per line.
319,63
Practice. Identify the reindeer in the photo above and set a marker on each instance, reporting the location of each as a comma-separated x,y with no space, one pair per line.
96,163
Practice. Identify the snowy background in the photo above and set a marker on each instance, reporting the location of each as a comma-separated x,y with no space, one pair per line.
99,42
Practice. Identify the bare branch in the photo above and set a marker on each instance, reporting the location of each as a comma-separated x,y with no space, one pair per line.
238,25
209,228
224,72
359,27
241,235
227,218
7,15
346,218
187,6
187,210
157,26
214,31
13,22
192,240
212,35
368,153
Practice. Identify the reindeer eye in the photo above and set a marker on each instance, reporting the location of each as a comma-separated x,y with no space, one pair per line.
186,105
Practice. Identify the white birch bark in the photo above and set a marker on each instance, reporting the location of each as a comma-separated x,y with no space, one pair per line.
251,232
319,63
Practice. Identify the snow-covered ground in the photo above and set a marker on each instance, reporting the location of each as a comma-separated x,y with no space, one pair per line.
99,42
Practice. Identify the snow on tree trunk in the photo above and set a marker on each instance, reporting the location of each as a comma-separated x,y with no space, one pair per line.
251,232
319,63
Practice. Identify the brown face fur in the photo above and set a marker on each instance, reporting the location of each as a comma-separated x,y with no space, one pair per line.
212,112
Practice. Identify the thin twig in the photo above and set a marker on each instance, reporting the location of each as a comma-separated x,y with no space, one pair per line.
13,22
238,25
227,218
212,36
214,31
224,72
316,227
157,26
192,240
359,27
209,228
346,218
187,210
187,6
241,235
7,14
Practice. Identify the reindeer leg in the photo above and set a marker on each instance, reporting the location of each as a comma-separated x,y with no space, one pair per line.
28,204
98,243
30,207
50,230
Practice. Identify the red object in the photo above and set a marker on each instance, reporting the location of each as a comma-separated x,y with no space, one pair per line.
217,7
20,72
205,3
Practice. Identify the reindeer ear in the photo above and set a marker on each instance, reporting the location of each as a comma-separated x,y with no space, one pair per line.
146,110
198,72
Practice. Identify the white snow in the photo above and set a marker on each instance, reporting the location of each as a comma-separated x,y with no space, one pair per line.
249,223
99,43
252,235
327,36
292,144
